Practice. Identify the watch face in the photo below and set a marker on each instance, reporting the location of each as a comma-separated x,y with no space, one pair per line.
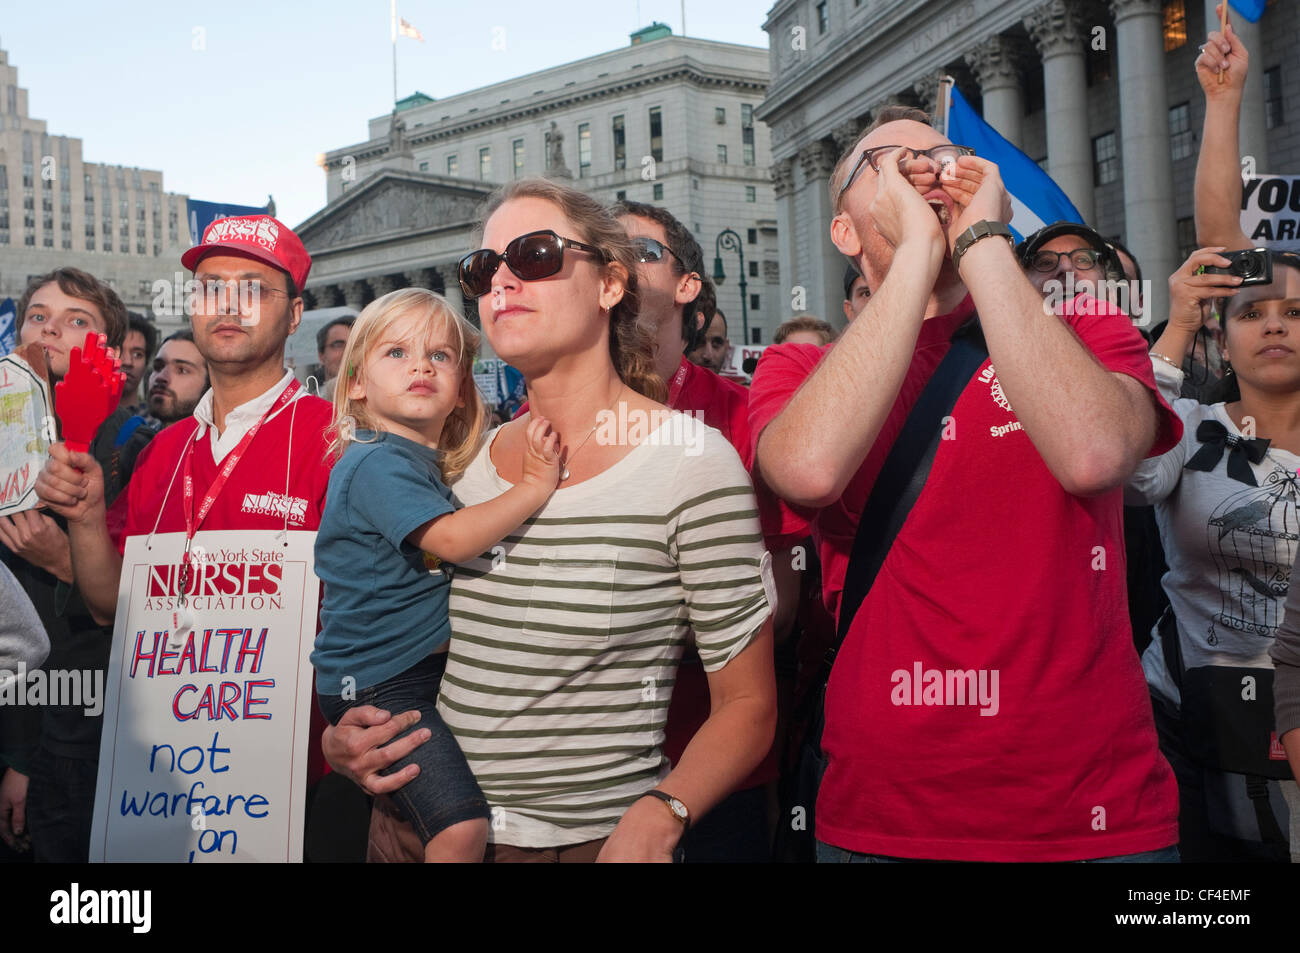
678,808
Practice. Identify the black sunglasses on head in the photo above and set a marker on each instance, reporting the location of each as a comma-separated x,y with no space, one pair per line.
530,257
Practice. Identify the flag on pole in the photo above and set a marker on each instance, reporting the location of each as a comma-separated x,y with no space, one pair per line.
406,29
1035,199
8,325
1252,10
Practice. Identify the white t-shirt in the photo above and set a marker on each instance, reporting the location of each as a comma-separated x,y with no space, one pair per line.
566,637
1230,547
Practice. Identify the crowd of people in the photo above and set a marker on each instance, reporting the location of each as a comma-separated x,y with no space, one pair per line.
901,598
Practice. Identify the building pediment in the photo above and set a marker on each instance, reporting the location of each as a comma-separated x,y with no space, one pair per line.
393,203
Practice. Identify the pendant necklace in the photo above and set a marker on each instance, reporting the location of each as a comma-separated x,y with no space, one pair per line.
564,472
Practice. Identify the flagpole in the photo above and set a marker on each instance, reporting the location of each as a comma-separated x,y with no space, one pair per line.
944,103
393,30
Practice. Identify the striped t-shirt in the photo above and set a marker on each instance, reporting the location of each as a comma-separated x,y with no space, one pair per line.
566,637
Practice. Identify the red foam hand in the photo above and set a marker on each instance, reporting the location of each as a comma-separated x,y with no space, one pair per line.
88,393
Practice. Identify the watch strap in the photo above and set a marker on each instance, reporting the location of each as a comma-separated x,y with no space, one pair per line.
669,800
976,232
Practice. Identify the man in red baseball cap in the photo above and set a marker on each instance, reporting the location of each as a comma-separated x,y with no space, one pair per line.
249,272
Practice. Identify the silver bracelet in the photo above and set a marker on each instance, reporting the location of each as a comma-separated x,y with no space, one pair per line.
1170,361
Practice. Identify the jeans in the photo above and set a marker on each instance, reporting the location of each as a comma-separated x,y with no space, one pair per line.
826,854
734,832
444,792
60,806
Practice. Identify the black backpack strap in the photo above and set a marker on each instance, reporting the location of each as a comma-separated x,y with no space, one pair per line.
905,471
1170,646
1257,791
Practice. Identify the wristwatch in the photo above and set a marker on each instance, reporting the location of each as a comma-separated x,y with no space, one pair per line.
973,234
677,808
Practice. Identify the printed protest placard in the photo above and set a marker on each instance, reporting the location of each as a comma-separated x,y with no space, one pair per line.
734,365
204,752
1270,211
26,426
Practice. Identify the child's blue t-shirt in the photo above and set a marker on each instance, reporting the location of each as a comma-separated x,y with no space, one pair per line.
383,608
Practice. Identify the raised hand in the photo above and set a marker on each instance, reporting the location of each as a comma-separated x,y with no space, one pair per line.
1188,290
976,189
898,211
1223,53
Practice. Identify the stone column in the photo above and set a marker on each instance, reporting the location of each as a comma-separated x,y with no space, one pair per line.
445,276
421,278
1149,227
383,284
826,264
1253,129
783,187
1057,29
328,296
927,89
995,63
354,294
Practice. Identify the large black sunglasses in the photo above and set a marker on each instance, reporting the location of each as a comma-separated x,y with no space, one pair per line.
942,155
530,257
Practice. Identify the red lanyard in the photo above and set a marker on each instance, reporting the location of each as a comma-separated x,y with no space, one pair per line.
675,388
193,522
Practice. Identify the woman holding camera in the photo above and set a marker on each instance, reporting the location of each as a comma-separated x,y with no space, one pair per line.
1228,508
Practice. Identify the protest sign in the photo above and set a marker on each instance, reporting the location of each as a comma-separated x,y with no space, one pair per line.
498,382
204,751
734,365
1270,211
26,426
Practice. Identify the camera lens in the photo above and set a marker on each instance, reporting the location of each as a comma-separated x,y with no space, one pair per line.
1247,266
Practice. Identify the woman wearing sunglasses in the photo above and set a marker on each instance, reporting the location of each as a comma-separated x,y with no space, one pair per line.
566,638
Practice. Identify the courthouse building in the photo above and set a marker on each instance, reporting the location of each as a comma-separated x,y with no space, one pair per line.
665,120
57,210
1102,94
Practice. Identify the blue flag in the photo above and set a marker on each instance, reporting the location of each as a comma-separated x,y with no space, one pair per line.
1252,10
8,326
1035,199
203,214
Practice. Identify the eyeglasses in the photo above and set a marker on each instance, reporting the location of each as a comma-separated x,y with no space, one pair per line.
530,257
648,249
943,156
1083,259
214,295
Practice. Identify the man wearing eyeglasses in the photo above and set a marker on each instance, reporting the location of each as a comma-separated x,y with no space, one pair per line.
1061,249
986,703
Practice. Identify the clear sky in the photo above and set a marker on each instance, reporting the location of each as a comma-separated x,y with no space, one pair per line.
235,100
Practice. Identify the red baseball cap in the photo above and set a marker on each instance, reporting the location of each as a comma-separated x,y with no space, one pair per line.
256,236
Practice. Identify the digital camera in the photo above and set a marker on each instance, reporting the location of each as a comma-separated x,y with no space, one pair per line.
1254,266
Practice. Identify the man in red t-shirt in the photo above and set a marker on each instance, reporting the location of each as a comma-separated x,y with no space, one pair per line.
250,271
986,704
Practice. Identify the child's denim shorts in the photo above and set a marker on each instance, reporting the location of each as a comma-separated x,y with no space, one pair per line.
444,792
